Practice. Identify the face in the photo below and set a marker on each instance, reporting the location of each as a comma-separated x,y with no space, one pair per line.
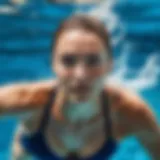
81,63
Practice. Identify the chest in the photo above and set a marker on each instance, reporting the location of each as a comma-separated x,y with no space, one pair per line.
79,133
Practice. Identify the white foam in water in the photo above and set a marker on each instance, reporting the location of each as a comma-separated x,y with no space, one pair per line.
7,9
13,7
147,76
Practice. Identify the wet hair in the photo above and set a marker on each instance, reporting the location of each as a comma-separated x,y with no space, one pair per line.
86,23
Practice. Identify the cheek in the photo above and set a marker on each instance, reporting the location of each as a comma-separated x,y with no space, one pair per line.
64,73
96,73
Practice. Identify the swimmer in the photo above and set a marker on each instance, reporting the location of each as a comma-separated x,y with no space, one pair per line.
78,115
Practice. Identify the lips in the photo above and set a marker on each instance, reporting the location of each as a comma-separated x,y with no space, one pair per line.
81,89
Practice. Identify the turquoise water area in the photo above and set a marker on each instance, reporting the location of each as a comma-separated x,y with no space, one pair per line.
25,44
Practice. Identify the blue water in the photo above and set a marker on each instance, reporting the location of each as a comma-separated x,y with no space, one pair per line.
25,45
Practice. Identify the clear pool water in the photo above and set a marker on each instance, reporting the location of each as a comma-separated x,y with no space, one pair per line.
25,36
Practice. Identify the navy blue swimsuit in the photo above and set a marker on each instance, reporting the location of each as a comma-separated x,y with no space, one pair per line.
36,144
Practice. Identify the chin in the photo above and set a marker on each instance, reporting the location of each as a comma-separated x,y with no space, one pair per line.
82,99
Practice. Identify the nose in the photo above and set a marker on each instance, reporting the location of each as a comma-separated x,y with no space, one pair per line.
81,72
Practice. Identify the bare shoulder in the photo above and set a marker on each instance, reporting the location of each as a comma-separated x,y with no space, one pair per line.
123,99
132,113
39,91
25,95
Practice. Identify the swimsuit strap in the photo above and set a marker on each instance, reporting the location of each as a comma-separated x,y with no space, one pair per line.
107,115
46,112
105,109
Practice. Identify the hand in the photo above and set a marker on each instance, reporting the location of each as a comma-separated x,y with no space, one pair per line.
60,100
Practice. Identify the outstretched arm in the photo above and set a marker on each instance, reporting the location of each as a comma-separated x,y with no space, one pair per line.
148,132
136,118
25,96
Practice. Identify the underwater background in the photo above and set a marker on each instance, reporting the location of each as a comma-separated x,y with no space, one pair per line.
26,33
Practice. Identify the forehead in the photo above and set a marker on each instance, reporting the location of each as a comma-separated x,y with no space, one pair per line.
79,40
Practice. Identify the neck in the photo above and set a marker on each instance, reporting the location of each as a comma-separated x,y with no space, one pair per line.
83,110
90,101
79,104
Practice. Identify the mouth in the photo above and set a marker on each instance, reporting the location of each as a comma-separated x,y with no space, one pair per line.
81,89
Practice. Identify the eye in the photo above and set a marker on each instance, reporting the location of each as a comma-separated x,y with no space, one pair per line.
93,60
69,60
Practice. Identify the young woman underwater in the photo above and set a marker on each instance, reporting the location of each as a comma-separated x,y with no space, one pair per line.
78,115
